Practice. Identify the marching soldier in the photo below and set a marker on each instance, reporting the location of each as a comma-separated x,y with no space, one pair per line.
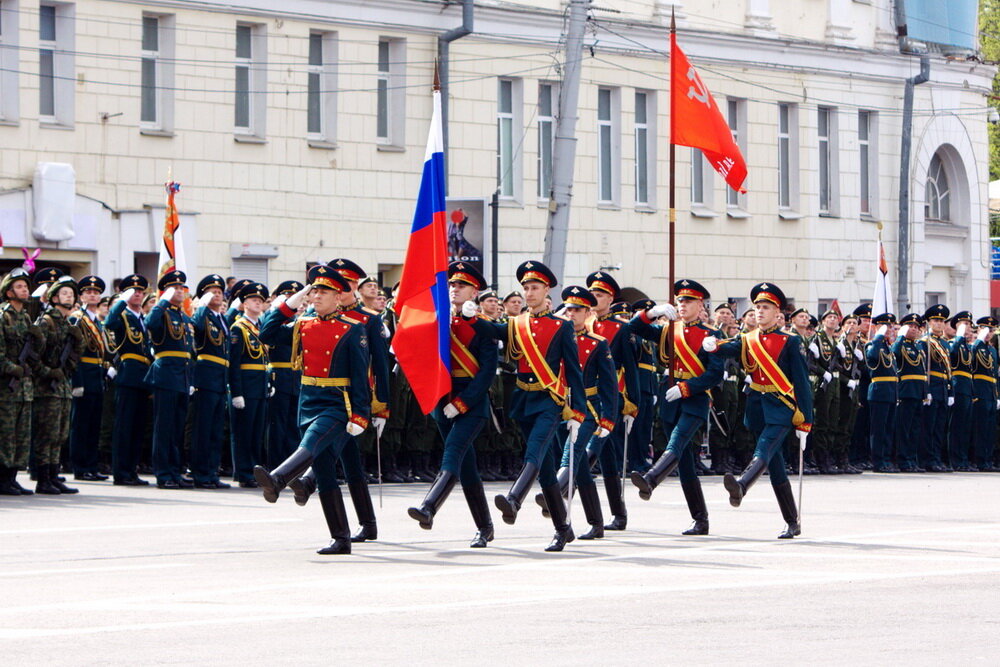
986,399
334,400
684,405
474,358
172,339
911,360
127,326
211,382
21,344
641,436
283,425
934,444
724,399
88,383
882,392
780,399
961,378
248,385
52,398
545,350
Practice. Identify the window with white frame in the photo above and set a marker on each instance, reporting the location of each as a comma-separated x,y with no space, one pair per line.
547,103
55,63
250,102
701,180
321,100
509,138
156,92
937,196
608,146
9,61
645,148
826,129
868,162
736,116
390,92
788,157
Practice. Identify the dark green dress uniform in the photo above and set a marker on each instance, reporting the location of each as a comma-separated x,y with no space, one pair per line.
170,375
780,400
20,346
249,378
985,398
860,450
211,384
89,377
882,395
852,363
281,413
641,436
911,360
934,444
960,424
131,353
333,355
826,401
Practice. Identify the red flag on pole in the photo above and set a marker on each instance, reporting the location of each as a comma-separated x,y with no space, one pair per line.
695,120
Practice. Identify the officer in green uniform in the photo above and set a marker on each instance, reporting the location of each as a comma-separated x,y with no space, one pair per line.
882,392
249,385
960,426
860,450
170,375
211,382
911,361
986,400
21,344
852,362
825,349
88,383
52,399
282,421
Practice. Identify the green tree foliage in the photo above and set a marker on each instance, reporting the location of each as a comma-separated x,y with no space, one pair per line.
989,46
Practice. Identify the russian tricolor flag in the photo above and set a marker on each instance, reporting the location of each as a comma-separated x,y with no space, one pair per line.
422,342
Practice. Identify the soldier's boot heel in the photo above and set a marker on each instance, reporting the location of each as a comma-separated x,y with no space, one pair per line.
738,488
8,485
562,476
303,487
475,497
57,481
564,531
786,502
362,500
665,465
591,502
510,504
44,484
335,514
696,504
271,483
613,487
442,486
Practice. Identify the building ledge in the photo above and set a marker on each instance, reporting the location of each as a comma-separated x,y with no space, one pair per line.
645,209
390,148
249,139
153,132
322,144
703,212
48,125
789,214
737,213
945,230
10,123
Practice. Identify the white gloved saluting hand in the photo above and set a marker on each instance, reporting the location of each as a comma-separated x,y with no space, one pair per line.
469,309
295,300
663,310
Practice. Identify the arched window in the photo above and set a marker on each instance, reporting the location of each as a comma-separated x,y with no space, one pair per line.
937,199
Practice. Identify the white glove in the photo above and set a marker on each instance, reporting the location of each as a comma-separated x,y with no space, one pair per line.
672,394
983,333
573,426
882,330
903,330
842,349
628,421
191,391
603,432
827,376
379,424
277,301
128,294
295,300
40,291
112,373
951,401
960,331
271,393
205,299
748,379
469,309
354,429
710,344
858,354
998,404
450,411
239,403
929,399
725,375
168,293
664,309
803,437
852,384
77,392
236,303
814,348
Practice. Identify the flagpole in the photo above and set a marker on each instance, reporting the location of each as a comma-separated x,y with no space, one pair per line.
672,213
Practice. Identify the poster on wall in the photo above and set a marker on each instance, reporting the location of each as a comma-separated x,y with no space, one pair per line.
469,233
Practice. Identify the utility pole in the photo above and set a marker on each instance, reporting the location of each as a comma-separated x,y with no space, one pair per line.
564,145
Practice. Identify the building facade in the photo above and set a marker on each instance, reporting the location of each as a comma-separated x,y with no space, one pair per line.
297,132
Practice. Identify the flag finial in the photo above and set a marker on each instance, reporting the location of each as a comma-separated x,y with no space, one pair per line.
437,75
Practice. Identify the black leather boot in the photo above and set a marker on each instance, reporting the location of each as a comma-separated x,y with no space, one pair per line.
17,487
665,465
510,504
57,481
7,482
564,532
271,483
613,485
435,497
591,501
362,500
44,484
303,486
335,514
696,504
738,488
786,501
562,476
475,496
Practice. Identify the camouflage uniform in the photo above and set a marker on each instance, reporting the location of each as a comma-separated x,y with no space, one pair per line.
16,386
50,416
